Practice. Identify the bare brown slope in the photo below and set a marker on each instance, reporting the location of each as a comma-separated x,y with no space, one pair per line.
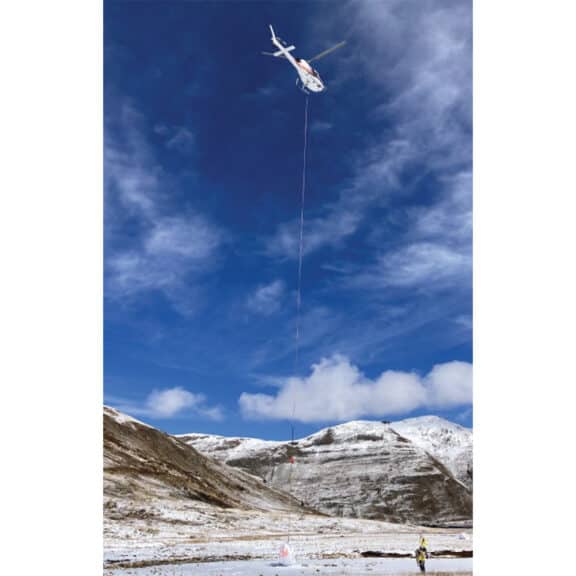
140,460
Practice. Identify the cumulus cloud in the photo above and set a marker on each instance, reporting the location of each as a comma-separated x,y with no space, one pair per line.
450,384
338,390
266,299
169,403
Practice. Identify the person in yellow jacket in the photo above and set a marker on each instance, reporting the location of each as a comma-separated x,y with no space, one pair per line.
422,553
421,559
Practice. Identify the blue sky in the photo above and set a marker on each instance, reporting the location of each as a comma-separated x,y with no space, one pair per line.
203,158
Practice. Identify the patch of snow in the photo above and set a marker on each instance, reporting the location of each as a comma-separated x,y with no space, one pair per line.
334,567
446,441
122,418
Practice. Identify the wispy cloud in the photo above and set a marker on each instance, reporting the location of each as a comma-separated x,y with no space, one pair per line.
419,265
375,179
337,390
420,70
435,251
169,403
179,138
149,248
421,54
448,220
319,126
319,326
328,230
266,299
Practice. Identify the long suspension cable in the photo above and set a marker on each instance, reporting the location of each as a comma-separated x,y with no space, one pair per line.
300,254
298,298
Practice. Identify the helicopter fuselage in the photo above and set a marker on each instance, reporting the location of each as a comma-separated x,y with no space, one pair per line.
308,76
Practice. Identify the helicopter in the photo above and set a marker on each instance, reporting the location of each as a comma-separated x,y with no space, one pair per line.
308,79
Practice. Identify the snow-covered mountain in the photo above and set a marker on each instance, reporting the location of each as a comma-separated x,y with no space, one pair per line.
449,443
142,464
361,469
167,504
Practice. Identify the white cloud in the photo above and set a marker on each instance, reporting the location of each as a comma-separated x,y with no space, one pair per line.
421,66
449,219
178,138
167,403
132,178
376,177
170,403
182,140
132,272
267,299
435,251
450,384
167,253
422,56
422,264
191,238
328,230
425,266
337,390
164,252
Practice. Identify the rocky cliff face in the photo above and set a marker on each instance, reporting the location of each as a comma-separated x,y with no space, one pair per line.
359,469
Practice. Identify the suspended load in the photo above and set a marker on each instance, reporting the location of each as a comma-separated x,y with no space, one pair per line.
285,555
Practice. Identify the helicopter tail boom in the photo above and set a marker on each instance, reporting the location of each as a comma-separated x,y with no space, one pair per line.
283,50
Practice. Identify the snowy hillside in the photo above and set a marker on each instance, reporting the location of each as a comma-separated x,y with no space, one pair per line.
165,505
449,443
142,462
360,469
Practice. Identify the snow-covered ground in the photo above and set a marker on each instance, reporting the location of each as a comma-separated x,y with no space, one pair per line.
211,542
170,511
333,567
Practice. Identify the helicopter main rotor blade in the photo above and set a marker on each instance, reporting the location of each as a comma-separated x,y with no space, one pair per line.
326,52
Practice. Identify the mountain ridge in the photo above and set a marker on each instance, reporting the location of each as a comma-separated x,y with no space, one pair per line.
141,461
384,474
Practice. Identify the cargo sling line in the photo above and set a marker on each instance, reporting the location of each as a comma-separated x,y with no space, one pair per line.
300,258
297,333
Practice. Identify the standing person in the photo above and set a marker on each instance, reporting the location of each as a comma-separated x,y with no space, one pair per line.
422,553
421,556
